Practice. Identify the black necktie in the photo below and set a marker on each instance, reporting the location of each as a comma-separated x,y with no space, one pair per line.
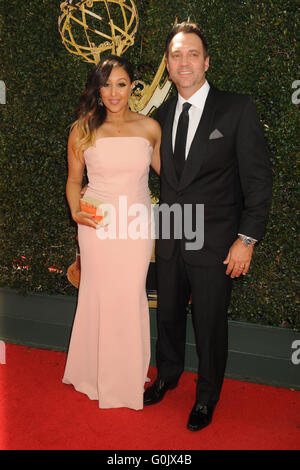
180,141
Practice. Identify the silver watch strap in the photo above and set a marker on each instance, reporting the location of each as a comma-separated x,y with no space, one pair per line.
249,241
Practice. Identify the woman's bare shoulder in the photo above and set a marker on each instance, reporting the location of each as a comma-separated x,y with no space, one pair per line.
151,124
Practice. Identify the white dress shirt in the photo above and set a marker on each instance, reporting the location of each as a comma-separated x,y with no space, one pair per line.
197,100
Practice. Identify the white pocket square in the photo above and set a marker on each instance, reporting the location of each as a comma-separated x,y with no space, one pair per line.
216,134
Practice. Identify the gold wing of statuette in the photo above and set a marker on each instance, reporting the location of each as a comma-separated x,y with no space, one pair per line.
145,98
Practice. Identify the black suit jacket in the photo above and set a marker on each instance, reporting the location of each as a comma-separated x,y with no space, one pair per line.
230,175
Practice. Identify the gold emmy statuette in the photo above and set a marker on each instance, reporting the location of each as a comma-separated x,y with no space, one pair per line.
87,28
146,98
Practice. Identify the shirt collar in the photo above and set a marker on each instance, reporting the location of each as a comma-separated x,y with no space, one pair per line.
197,99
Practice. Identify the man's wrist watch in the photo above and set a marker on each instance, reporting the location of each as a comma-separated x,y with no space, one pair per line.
249,241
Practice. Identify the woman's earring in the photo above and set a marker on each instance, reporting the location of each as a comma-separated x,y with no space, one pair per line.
100,102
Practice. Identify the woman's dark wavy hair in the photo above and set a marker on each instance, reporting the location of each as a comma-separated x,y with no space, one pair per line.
90,114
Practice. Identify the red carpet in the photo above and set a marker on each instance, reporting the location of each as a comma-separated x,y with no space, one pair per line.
37,412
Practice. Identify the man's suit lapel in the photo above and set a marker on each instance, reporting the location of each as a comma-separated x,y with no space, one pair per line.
198,149
167,148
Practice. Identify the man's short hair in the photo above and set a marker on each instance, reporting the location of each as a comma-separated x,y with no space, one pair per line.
186,27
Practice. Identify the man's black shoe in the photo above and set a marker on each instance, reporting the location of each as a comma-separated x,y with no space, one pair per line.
200,417
156,391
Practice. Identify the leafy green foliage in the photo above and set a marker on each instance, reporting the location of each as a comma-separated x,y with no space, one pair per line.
252,47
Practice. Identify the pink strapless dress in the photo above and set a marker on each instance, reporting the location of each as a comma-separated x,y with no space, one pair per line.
109,351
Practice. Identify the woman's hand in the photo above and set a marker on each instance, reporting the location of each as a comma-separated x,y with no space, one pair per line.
83,190
81,217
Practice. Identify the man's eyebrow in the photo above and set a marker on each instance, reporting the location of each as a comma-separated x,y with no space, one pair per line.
189,50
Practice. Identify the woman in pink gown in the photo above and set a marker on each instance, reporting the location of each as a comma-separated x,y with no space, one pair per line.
109,350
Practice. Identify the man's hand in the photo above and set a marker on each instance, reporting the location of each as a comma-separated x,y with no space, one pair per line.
83,190
238,259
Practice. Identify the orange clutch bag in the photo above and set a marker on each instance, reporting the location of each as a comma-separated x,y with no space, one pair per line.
92,206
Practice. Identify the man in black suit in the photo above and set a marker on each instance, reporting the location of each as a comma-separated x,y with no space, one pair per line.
213,154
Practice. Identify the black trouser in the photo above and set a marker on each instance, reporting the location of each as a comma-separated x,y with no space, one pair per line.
210,288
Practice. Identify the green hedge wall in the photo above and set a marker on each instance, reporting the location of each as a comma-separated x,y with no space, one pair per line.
252,50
